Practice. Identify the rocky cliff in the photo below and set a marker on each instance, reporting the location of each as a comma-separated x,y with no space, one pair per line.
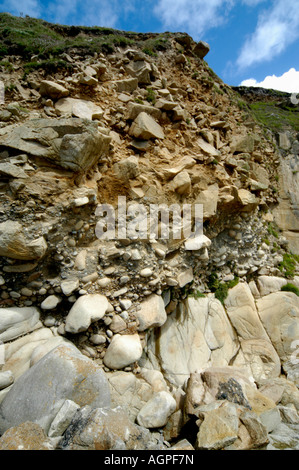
187,342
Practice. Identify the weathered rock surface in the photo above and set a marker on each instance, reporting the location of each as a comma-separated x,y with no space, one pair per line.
13,243
73,144
145,127
62,374
87,309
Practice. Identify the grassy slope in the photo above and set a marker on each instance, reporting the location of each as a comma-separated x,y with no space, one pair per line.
29,37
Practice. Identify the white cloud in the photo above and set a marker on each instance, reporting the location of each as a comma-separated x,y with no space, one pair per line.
288,82
192,16
277,28
26,7
95,13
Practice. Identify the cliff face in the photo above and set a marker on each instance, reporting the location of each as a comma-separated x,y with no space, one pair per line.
104,123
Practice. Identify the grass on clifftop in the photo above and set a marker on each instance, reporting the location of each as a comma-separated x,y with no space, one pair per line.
275,117
27,37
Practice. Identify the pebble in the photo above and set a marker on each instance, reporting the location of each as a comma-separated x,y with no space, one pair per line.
136,256
97,339
125,304
50,302
104,282
146,272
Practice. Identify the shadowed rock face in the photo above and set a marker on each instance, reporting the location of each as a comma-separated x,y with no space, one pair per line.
72,144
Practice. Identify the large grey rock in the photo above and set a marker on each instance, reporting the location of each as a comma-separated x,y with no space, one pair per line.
71,143
62,374
141,70
14,244
126,85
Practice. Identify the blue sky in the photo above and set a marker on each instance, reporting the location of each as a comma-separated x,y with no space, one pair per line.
252,42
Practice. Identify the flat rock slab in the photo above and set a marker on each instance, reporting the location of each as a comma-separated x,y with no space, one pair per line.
83,109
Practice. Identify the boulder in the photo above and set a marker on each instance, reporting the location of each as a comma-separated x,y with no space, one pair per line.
21,353
269,284
86,310
14,244
156,412
197,243
127,169
219,428
141,70
248,200
152,313
123,351
208,148
64,373
71,143
129,392
201,49
52,90
145,127
252,434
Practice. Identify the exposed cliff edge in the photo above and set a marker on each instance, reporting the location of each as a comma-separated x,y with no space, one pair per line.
185,342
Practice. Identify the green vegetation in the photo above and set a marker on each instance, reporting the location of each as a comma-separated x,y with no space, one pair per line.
290,288
50,66
272,231
197,295
276,117
34,37
221,289
288,265
151,96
